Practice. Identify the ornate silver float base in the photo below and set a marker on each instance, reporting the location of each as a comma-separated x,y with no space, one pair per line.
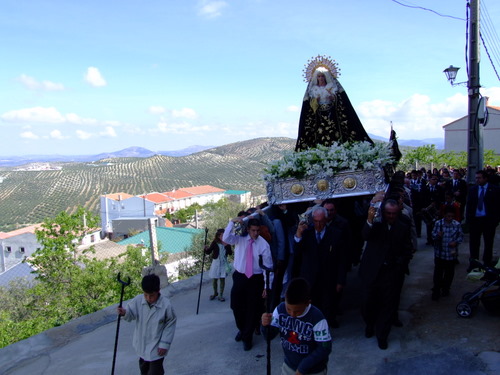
343,184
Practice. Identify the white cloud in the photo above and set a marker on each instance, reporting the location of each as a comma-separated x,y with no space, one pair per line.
94,78
49,115
179,128
413,118
32,84
133,129
256,129
210,9
83,135
185,113
157,110
52,86
108,132
29,135
77,120
36,114
493,93
293,108
281,129
56,134
112,123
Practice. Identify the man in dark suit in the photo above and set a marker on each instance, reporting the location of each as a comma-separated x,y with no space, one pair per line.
383,265
483,216
433,197
458,187
321,253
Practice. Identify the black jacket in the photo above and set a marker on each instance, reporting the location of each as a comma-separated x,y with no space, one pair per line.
391,248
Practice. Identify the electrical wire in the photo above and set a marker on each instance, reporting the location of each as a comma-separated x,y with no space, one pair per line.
490,34
491,61
489,38
490,29
427,9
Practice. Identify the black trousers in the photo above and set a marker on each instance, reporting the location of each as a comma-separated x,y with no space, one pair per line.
247,303
382,300
325,297
444,271
481,227
151,368
430,227
417,218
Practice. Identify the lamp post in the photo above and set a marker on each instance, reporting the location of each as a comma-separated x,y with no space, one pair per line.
451,75
474,131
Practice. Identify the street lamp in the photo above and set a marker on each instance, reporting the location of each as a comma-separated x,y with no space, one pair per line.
451,74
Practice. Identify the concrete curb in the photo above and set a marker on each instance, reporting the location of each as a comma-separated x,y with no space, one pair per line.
36,346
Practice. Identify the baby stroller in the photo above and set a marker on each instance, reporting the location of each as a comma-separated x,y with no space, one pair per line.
488,296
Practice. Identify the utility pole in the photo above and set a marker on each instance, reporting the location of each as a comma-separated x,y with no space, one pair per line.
475,130
155,256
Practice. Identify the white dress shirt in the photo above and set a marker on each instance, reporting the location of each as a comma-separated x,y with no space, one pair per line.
259,247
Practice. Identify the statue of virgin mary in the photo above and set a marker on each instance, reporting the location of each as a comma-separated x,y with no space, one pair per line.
327,115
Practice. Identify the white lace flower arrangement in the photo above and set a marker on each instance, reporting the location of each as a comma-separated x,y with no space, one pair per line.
328,161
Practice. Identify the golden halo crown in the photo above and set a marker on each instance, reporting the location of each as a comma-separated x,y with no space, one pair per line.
325,62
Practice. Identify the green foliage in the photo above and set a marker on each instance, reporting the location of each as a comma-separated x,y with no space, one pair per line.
184,215
456,159
420,156
491,159
427,156
68,283
130,264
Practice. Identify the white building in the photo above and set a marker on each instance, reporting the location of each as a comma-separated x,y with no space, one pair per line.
122,212
197,194
16,246
124,207
455,133
239,196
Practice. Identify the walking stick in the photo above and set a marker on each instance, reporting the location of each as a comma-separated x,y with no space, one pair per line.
268,310
201,277
124,284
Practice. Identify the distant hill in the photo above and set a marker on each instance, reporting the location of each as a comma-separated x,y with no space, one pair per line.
185,151
130,152
438,142
140,152
28,197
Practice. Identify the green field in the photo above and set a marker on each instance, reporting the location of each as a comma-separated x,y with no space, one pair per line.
28,197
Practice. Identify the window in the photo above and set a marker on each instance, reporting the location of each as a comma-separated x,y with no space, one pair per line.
21,250
8,249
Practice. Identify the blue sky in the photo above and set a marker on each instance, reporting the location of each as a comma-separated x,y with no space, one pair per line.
84,77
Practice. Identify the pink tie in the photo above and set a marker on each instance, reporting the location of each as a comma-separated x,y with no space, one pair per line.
249,259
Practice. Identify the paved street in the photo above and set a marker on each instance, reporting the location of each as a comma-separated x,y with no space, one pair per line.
434,340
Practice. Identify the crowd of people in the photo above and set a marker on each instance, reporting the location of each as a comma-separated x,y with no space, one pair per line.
312,246
322,241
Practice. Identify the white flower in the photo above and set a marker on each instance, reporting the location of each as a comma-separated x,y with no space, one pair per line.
329,160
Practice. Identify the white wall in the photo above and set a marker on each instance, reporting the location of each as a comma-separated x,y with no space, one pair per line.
131,207
455,134
25,240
